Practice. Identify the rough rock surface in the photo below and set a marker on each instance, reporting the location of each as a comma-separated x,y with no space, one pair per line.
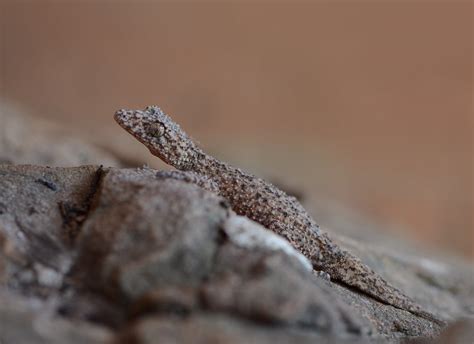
26,140
100,255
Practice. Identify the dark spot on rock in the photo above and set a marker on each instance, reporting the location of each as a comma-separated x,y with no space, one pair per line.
3,208
224,204
49,184
73,216
32,211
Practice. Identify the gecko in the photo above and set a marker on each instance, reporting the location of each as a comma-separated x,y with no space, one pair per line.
262,202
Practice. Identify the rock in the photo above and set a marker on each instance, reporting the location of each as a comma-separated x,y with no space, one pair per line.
271,288
443,286
27,322
153,233
460,332
26,140
212,328
41,211
250,235
90,254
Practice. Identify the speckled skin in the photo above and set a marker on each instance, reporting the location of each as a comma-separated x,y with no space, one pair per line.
260,201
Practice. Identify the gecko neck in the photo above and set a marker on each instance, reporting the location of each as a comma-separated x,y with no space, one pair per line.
205,164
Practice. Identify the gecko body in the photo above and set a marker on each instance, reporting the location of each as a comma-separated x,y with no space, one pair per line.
262,202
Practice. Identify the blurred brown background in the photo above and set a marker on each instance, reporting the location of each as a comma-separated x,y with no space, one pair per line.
361,105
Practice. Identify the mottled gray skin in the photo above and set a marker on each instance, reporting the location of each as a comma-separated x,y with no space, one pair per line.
260,201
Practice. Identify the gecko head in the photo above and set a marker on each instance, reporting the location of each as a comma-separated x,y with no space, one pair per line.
163,137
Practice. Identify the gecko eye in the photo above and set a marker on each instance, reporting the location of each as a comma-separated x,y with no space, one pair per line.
155,129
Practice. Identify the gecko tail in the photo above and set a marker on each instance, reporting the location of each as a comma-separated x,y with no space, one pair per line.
351,272
403,302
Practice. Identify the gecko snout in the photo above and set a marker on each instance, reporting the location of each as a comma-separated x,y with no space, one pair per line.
124,118
120,115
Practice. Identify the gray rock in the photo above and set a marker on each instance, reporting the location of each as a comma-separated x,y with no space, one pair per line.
27,140
146,233
444,286
41,210
460,332
214,328
87,254
270,287
26,321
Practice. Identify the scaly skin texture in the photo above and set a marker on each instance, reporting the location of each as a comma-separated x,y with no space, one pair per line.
260,201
